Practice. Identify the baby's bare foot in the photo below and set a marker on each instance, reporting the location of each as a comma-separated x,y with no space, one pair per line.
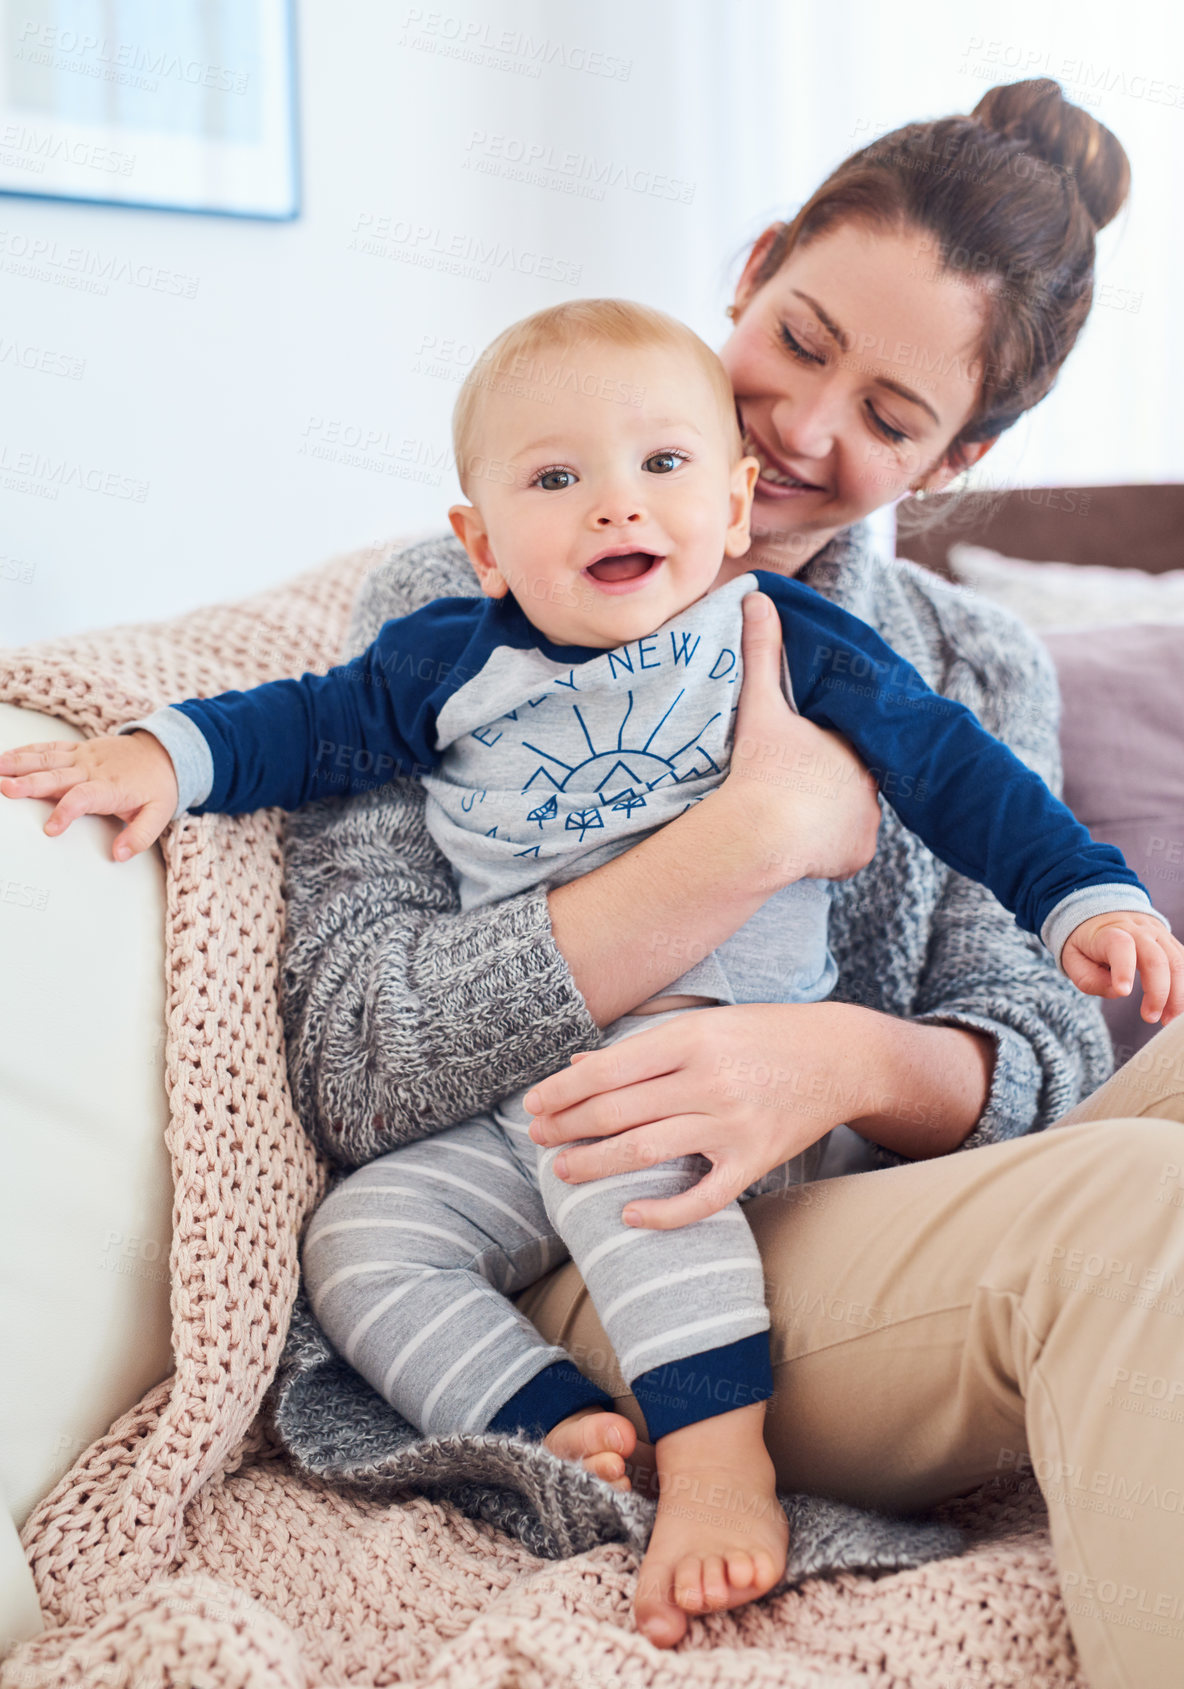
720,1537
642,1468
600,1441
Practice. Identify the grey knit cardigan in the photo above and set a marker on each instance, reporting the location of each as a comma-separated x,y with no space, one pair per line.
404,1015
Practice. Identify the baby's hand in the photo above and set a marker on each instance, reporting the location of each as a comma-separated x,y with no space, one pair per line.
129,775
1103,954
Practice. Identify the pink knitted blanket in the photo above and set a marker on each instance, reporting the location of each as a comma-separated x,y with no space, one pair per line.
181,1549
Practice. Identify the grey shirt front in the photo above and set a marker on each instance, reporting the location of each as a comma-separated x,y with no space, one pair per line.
548,772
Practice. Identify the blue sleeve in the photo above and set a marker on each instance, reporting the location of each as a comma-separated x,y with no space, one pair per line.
290,742
964,793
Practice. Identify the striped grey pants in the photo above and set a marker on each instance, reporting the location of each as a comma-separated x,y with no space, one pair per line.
410,1263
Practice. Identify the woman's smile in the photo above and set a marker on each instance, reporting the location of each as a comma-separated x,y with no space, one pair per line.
837,436
777,479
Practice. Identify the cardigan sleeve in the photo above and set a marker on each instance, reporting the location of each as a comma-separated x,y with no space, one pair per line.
982,972
402,1014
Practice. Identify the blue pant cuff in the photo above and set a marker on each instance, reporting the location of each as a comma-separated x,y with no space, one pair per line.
683,1392
545,1399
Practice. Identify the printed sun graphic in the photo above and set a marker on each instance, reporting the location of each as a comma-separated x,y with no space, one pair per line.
618,774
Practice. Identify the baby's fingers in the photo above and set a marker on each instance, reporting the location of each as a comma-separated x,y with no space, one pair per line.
1087,975
49,784
1156,973
88,797
1103,963
143,831
1121,953
1174,952
49,753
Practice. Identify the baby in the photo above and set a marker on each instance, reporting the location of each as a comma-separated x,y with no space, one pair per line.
584,698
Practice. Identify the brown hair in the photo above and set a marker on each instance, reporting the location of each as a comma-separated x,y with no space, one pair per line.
514,359
1013,196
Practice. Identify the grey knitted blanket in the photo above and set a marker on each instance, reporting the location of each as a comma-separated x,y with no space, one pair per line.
404,1016
336,1427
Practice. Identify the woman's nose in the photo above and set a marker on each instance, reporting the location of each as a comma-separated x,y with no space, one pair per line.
807,424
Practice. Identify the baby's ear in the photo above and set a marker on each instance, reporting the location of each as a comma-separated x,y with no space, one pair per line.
470,530
743,485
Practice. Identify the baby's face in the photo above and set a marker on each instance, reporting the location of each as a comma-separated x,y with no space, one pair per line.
603,518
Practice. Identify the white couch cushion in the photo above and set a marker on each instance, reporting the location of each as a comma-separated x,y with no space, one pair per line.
86,1203
1069,595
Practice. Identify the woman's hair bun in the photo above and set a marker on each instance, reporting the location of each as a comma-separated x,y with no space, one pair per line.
1038,115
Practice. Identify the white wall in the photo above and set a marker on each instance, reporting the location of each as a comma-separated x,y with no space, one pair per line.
295,338
1113,414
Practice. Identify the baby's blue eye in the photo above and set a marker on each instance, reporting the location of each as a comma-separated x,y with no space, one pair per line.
549,480
666,461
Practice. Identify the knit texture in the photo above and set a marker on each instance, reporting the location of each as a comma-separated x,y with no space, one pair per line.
388,987
186,1546
336,1427
405,1015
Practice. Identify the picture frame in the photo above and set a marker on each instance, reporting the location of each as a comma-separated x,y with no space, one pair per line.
164,105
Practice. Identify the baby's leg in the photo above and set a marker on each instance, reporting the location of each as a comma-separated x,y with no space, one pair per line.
409,1263
685,1312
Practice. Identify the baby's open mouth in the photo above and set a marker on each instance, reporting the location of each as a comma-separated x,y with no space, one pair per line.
625,566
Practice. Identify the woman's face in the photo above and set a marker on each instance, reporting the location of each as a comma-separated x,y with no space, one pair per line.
854,368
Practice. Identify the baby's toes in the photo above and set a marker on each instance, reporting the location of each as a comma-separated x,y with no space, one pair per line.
658,1617
688,1585
766,1571
607,1432
715,1581
741,1571
609,1466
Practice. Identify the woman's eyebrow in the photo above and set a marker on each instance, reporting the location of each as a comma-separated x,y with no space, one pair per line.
843,341
904,392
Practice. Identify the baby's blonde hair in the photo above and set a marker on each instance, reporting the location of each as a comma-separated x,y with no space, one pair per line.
506,362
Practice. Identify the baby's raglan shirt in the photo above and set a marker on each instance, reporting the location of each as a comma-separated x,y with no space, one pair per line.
542,760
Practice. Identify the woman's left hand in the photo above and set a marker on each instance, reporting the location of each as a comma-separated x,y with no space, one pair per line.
749,1086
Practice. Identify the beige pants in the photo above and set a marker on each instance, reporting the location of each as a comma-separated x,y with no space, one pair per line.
1013,1308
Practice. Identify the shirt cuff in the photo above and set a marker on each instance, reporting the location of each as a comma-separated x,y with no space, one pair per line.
186,744
1087,901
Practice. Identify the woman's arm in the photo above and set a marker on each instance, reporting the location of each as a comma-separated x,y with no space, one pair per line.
635,924
404,1015
796,803
931,1086
983,976
1050,1044
999,1042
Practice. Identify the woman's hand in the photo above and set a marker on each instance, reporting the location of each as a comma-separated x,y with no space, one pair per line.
748,1086
816,800
797,803
130,775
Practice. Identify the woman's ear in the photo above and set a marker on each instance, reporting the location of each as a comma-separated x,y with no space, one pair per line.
469,527
746,286
951,466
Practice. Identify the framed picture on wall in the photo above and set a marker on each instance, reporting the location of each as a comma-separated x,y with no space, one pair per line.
178,105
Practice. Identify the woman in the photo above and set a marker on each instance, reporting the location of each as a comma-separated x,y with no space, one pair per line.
938,1322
